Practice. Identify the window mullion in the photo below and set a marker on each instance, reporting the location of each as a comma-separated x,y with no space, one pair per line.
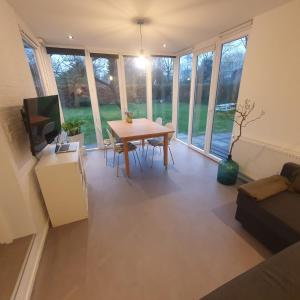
149,88
94,98
192,98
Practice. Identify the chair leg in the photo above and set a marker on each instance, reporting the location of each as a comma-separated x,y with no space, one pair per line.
134,156
114,158
104,151
146,151
152,157
171,155
138,160
105,155
118,164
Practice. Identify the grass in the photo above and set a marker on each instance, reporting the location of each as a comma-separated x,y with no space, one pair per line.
108,112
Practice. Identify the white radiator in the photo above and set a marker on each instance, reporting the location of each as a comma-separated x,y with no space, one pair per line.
258,159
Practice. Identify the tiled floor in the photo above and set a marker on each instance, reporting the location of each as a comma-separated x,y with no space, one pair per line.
160,235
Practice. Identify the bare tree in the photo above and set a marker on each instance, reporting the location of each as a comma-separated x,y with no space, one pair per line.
241,119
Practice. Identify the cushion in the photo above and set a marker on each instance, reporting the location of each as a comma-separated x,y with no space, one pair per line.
266,187
295,185
284,207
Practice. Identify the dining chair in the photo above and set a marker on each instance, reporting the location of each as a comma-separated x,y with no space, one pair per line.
159,121
119,149
106,144
159,142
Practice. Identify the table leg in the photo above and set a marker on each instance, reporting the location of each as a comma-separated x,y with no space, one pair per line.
166,144
127,167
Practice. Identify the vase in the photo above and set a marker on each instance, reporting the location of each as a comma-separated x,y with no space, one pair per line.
228,171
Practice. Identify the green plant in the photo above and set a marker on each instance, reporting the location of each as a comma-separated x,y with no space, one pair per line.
72,127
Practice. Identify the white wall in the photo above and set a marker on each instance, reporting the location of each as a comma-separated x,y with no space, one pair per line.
271,77
21,204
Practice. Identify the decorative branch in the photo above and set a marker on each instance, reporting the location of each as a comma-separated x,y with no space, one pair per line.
242,114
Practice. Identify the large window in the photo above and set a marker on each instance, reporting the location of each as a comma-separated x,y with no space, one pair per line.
30,54
135,77
202,90
162,84
107,86
230,72
71,81
185,73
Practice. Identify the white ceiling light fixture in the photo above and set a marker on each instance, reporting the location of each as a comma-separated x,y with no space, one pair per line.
141,60
165,45
70,37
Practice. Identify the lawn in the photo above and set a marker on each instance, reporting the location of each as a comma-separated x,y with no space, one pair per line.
108,112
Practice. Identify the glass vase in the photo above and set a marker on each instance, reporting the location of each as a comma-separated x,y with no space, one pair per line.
228,171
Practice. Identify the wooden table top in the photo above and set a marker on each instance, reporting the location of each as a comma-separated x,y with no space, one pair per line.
138,128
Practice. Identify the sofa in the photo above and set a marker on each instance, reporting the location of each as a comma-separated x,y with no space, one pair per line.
277,278
275,221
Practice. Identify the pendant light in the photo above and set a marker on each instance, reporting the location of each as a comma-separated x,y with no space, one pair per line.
141,60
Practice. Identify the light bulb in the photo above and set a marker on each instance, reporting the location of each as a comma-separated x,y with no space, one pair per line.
111,78
141,62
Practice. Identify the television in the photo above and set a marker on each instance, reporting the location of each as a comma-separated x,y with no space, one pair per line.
42,120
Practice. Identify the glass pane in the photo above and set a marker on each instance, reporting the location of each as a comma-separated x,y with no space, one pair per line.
231,66
135,77
185,73
30,54
202,88
162,84
71,81
107,86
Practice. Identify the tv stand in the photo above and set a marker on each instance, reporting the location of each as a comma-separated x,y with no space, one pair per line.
63,184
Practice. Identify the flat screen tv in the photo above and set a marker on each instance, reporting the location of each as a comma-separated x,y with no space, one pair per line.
42,120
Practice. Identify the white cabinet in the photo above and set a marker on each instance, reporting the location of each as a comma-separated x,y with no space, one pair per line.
63,184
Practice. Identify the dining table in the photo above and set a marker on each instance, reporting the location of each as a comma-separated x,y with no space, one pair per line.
140,129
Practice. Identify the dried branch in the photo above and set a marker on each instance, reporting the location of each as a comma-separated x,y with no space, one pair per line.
242,113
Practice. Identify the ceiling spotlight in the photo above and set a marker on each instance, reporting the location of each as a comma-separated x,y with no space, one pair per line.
70,37
165,45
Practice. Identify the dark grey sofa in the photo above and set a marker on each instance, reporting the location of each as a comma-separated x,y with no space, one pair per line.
274,221
277,278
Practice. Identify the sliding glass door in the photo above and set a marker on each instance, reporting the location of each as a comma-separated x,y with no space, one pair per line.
185,74
230,72
162,86
71,80
107,87
202,91
135,78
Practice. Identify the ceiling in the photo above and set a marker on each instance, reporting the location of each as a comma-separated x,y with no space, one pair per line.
108,24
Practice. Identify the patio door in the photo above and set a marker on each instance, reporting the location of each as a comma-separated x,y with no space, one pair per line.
201,98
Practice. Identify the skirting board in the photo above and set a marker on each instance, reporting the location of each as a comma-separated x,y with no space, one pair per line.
26,279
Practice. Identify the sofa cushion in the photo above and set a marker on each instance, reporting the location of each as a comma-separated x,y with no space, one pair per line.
295,185
266,187
277,278
285,207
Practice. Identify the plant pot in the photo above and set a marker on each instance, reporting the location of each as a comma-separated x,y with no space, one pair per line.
228,171
77,138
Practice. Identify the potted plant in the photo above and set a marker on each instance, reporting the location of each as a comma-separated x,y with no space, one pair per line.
73,130
228,169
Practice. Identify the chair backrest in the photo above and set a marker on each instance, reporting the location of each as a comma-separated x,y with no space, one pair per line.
111,138
159,121
171,134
